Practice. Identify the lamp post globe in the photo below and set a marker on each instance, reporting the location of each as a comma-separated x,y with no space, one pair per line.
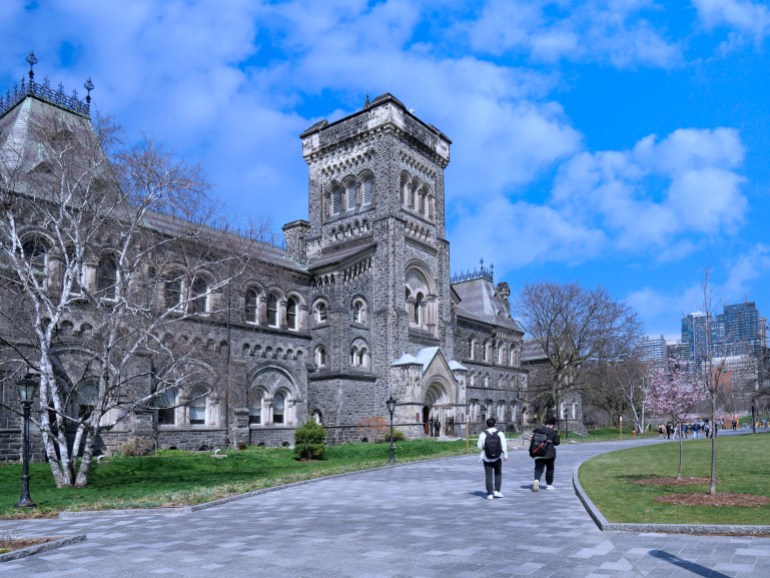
391,404
27,387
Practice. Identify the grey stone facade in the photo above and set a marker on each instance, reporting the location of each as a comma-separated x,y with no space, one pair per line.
358,307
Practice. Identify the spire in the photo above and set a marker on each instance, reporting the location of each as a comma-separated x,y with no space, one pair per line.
32,60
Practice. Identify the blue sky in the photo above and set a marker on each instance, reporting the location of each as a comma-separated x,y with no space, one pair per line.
621,143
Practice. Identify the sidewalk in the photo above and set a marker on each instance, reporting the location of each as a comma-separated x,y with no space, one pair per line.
427,519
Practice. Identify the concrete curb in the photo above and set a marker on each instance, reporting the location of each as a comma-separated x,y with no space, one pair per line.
706,529
37,548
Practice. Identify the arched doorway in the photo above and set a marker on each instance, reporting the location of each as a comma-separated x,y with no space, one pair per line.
434,409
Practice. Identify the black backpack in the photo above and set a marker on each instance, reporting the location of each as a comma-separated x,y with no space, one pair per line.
493,448
538,447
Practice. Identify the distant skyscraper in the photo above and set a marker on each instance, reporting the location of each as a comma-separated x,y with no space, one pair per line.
738,330
653,350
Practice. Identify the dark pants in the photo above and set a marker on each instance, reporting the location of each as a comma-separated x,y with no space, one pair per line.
546,465
494,469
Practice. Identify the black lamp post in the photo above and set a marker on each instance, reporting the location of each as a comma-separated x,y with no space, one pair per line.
753,416
391,403
27,387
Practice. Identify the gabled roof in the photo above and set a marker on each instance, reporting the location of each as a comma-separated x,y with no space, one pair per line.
425,357
480,301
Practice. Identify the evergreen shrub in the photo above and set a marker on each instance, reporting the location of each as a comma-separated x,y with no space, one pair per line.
309,441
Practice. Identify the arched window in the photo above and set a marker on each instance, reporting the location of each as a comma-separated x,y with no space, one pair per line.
107,277
292,314
199,296
172,291
336,200
251,305
87,394
35,254
197,407
279,403
417,310
272,310
255,407
367,189
472,349
351,194
317,417
359,311
320,313
166,402
320,356
488,351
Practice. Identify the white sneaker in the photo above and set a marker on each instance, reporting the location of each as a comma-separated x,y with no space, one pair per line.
549,487
490,497
535,485
498,494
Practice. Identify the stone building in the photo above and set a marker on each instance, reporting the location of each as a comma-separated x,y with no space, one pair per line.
358,306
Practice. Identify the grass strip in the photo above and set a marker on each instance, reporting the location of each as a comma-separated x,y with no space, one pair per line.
180,478
611,481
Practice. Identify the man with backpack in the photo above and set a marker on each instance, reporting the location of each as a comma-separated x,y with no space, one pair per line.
494,449
542,448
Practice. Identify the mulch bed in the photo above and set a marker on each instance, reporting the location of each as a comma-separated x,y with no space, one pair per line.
720,499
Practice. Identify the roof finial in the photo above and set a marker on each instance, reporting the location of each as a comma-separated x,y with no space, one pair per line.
368,103
89,86
32,60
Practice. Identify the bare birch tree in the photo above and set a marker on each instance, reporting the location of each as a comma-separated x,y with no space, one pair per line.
106,253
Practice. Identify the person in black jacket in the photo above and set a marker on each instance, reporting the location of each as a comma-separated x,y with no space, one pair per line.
548,460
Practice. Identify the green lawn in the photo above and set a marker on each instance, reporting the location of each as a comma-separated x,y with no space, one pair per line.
743,467
173,478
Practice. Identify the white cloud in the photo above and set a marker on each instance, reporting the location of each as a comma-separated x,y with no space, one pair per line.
606,31
744,18
659,193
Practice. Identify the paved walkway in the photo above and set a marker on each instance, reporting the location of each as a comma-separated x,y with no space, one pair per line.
413,520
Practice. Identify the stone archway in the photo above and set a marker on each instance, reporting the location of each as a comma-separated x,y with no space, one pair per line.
434,410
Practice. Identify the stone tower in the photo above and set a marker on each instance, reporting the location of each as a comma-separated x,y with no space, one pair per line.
376,245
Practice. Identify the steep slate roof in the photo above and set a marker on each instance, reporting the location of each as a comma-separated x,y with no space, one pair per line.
480,301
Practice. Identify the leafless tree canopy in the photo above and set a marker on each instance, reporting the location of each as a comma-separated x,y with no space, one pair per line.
575,326
123,236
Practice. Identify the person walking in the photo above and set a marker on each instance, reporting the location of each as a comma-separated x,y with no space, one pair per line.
548,459
494,449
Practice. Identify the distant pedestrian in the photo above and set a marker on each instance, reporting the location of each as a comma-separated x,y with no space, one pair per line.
494,449
669,430
548,460
707,429
696,430
735,423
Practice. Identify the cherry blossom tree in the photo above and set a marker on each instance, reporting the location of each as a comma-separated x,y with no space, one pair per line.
674,391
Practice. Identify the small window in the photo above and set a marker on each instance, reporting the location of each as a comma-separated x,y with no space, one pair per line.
272,310
199,296
107,277
336,198
167,412
351,194
367,190
278,406
35,252
320,356
292,316
255,409
172,291
197,409
87,394
359,311
320,312
251,305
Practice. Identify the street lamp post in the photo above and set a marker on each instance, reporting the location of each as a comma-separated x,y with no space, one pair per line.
27,386
391,403
753,416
